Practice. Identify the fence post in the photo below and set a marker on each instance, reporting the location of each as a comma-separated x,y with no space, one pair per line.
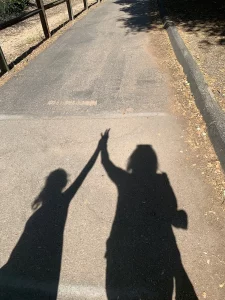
85,4
43,18
70,9
3,64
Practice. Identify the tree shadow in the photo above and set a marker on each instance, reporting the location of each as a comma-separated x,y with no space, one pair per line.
199,16
139,14
143,260
193,15
33,269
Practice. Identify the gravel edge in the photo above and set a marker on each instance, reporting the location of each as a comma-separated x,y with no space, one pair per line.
212,113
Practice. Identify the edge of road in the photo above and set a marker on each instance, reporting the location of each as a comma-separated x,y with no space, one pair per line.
211,111
37,49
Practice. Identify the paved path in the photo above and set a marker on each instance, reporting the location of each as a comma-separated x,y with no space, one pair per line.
101,74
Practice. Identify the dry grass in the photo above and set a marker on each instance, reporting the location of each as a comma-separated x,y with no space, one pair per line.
18,39
203,155
39,49
202,26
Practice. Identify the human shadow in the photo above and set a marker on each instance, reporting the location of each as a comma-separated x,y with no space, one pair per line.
143,260
33,269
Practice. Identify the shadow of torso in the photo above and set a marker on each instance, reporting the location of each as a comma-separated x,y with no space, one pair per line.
141,250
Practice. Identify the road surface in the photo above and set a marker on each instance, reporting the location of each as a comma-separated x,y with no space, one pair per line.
102,74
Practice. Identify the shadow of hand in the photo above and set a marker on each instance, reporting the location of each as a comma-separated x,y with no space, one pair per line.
180,220
104,139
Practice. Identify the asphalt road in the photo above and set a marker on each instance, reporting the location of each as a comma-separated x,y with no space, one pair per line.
102,74
100,64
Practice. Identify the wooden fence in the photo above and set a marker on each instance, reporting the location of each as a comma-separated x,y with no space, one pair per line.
41,10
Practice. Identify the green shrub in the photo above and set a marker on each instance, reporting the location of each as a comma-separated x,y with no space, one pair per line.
9,7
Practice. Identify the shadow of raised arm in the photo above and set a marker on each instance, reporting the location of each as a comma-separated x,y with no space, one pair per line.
115,173
71,191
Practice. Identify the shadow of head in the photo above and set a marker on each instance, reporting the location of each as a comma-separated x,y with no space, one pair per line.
54,184
143,161
56,180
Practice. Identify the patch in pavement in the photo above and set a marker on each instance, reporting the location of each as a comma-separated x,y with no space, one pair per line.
72,102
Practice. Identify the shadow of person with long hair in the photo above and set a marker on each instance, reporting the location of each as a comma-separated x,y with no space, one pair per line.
143,260
33,269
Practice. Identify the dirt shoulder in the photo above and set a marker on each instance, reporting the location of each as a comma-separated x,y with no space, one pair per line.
204,158
201,24
18,39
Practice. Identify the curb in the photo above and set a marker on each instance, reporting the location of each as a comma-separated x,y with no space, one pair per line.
212,113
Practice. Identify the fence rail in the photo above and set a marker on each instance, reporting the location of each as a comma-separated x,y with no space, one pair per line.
19,19
41,10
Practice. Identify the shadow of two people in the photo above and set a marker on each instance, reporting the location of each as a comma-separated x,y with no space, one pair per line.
142,255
